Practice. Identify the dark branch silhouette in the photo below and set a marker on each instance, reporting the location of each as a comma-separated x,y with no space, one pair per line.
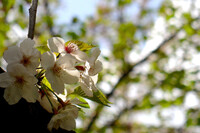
125,74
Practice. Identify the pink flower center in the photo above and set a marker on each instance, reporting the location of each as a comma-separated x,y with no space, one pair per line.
71,47
19,80
25,61
56,69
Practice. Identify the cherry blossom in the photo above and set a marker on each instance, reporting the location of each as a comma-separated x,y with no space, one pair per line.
46,84
65,118
87,84
60,71
18,83
94,66
26,55
57,44
89,73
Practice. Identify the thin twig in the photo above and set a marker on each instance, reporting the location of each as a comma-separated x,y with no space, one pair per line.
32,18
100,107
141,61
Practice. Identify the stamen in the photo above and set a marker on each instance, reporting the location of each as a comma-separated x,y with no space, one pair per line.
71,47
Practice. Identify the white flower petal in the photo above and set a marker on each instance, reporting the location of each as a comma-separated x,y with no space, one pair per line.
48,59
56,83
44,102
30,93
54,123
80,55
16,70
32,66
96,68
30,79
73,110
65,118
31,53
68,123
12,94
86,89
12,55
86,79
66,61
5,80
26,47
87,85
56,44
94,55
69,76
94,78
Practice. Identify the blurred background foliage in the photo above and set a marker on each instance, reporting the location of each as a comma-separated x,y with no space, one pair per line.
150,53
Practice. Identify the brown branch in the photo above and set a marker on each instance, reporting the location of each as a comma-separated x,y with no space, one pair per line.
113,122
142,61
135,103
32,18
100,107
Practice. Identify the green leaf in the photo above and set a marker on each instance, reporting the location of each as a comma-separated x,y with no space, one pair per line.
82,102
98,96
42,49
73,35
81,45
46,83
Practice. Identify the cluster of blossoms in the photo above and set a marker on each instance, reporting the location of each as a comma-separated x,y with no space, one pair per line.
43,78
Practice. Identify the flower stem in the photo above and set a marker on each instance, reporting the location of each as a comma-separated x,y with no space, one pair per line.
58,98
53,108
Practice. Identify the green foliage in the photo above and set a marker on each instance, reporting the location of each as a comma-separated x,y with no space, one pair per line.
46,83
83,103
7,4
123,2
173,79
73,35
98,96
42,49
124,32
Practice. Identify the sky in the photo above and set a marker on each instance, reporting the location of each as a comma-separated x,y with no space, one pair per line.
85,8
71,8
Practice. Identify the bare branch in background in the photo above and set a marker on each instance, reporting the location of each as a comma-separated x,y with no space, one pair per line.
32,18
99,108
125,74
